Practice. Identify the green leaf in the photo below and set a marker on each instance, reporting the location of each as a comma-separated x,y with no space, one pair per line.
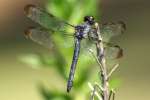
32,60
53,95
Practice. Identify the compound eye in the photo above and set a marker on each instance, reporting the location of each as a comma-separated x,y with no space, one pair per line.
91,18
86,18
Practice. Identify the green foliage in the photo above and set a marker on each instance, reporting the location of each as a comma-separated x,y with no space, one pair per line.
51,95
73,10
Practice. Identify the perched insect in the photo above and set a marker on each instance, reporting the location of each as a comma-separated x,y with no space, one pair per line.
85,31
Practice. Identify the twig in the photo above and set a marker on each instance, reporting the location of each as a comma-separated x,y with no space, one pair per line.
99,87
101,58
94,92
95,57
112,94
112,70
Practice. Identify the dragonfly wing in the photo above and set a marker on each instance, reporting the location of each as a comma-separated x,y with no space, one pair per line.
110,30
112,51
40,36
45,19
87,45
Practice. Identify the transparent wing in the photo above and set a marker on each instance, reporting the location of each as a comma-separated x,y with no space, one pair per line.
112,51
110,30
40,36
45,19
46,38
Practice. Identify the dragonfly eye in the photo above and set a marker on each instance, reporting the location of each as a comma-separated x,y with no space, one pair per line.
89,19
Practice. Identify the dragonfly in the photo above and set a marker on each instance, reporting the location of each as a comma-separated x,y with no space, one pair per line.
49,24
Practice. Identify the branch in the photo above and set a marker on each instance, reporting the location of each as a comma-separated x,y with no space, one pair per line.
112,94
95,57
102,60
94,92
112,70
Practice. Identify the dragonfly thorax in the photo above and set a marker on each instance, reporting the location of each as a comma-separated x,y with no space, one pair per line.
81,31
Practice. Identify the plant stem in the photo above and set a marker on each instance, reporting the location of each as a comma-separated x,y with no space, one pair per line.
101,58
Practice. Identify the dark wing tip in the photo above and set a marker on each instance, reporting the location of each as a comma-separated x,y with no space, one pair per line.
27,8
123,25
120,53
28,32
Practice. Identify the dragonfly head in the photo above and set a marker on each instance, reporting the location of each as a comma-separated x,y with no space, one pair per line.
89,19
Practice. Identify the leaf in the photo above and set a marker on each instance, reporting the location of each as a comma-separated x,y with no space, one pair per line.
53,95
32,60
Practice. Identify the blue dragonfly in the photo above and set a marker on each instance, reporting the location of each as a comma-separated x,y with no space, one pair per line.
49,25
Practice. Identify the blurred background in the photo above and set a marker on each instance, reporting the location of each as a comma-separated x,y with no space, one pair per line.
24,77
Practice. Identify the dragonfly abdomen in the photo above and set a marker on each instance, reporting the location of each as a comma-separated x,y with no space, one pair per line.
74,63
